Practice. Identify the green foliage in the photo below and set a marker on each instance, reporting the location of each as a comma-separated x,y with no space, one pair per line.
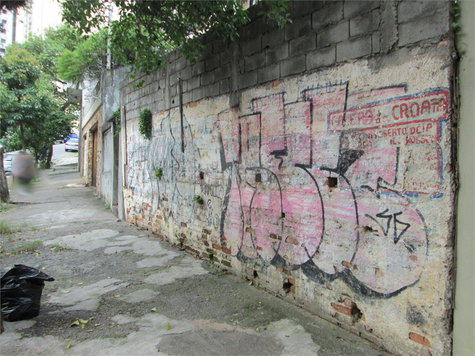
198,199
6,229
27,247
145,123
276,11
158,173
146,31
85,60
116,115
31,104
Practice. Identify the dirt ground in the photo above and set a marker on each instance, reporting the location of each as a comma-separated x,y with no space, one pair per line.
119,290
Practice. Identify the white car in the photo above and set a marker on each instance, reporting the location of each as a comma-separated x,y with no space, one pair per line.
7,160
71,145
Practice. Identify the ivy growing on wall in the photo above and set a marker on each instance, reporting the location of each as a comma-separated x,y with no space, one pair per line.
116,115
145,123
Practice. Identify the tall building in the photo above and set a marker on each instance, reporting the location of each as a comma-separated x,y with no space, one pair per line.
34,18
6,18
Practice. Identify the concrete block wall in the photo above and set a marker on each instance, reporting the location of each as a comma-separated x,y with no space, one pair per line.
322,152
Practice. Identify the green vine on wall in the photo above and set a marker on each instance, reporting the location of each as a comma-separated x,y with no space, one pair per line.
116,116
145,123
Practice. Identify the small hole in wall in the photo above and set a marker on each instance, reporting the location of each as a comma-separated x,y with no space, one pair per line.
282,215
258,178
286,286
173,101
255,275
332,182
202,176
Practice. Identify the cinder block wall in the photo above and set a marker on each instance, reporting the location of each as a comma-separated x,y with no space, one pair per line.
323,154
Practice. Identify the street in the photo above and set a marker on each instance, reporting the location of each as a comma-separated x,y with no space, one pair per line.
119,290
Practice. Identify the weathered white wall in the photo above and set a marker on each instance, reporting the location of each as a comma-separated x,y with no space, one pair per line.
323,153
372,251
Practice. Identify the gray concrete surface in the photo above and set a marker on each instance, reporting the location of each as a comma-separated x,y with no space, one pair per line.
121,291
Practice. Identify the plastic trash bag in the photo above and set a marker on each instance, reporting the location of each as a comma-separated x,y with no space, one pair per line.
21,292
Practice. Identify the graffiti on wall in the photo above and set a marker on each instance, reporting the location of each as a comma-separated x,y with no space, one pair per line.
325,183
173,192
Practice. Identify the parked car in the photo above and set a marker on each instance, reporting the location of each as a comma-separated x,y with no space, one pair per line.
71,145
7,160
73,135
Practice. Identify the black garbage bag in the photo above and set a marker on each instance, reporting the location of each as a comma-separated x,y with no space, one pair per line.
21,292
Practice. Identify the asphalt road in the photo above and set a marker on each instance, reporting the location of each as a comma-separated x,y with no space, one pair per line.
119,290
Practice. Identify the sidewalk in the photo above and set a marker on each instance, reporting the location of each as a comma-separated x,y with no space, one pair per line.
121,291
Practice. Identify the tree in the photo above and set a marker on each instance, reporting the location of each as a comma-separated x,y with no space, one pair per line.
85,60
147,30
18,74
30,99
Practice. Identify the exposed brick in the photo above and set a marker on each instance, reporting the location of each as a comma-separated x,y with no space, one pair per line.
419,339
342,309
357,48
292,240
192,250
206,231
321,58
184,224
346,264
291,280
333,34
330,14
292,66
226,250
217,247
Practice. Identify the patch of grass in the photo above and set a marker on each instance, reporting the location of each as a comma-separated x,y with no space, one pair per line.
58,247
6,228
27,247
34,228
